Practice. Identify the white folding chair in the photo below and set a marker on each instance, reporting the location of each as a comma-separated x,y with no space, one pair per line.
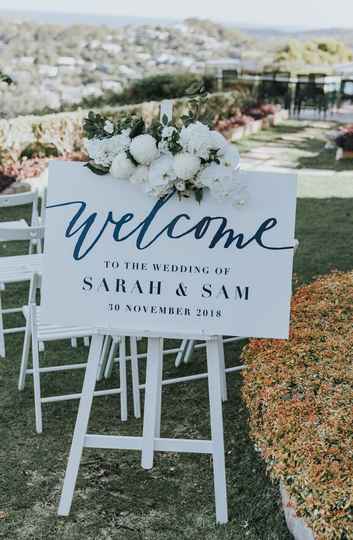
17,269
38,332
22,199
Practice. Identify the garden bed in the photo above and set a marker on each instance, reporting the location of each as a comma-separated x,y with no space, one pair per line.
300,397
249,123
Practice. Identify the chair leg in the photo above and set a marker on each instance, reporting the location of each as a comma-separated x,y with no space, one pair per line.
109,365
81,426
2,335
25,354
103,356
181,353
189,351
135,377
215,398
36,372
123,379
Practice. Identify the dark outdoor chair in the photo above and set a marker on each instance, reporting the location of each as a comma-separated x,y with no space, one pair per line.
346,91
274,87
310,92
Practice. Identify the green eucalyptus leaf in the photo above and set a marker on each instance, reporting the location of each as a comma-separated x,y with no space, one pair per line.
97,169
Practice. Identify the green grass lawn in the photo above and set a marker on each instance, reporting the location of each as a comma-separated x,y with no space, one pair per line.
115,498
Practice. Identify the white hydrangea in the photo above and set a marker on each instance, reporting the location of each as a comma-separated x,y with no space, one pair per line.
196,139
224,183
109,127
186,165
230,157
99,150
140,175
122,167
118,143
144,149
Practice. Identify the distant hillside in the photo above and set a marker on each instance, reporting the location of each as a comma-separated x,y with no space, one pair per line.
69,19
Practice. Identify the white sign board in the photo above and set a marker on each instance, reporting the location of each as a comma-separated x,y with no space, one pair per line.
117,258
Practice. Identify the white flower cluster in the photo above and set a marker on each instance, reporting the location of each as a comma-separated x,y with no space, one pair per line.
189,159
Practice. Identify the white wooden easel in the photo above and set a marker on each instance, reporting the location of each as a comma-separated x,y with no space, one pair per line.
150,441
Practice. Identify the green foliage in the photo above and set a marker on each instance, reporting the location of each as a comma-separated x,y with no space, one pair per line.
38,149
5,78
316,52
96,169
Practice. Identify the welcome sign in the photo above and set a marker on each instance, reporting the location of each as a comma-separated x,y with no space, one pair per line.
117,258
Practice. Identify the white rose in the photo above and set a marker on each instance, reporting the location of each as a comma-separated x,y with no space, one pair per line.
230,157
140,175
144,149
109,127
122,167
186,165
161,171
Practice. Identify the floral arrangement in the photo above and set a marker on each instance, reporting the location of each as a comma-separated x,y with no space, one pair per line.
300,397
187,156
344,139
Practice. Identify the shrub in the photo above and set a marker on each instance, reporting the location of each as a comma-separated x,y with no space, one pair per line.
300,397
64,130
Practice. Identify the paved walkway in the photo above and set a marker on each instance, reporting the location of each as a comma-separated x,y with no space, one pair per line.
305,148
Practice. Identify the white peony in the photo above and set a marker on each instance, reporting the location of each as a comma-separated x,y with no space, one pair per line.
100,151
160,177
140,175
144,149
230,157
118,143
186,165
122,167
109,127
161,172
196,139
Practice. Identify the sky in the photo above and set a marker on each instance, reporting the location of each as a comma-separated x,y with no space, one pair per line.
308,13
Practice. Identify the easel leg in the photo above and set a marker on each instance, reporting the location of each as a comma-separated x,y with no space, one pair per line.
215,398
223,369
2,335
135,377
81,425
151,419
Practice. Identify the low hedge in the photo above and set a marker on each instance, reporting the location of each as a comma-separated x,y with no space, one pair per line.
300,397
64,130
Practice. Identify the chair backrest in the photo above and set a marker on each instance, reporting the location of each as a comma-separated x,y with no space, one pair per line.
21,233
18,199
